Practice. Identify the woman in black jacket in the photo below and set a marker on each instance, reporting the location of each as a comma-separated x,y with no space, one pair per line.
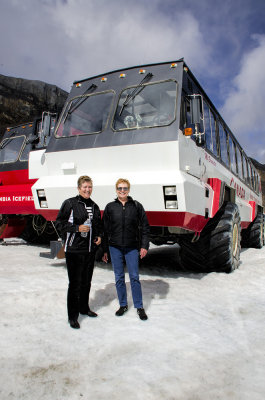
79,222
126,233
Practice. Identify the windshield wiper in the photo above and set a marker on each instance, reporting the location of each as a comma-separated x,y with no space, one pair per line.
135,91
80,101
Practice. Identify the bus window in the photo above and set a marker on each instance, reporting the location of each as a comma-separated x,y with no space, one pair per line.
251,177
210,135
10,149
223,144
232,155
256,183
239,163
154,104
25,153
86,114
247,176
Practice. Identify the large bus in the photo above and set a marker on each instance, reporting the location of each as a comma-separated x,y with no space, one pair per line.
156,126
17,208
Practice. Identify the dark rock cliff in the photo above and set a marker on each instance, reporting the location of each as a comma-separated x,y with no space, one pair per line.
21,100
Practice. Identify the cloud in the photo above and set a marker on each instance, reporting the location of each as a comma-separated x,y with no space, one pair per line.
103,36
67,40
244,107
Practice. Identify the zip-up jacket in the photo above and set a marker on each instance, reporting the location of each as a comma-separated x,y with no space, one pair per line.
72,214
125,226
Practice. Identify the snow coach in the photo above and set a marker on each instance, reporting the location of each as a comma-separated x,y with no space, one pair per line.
156,126
16,201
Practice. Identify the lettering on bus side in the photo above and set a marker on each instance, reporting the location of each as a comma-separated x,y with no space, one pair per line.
16,198
209,158
240,192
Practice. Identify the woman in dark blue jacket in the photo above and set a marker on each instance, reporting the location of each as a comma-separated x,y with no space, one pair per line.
79,222
126,233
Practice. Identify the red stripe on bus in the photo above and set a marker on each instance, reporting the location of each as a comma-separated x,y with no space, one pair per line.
215,184
253,205
16,177
157,218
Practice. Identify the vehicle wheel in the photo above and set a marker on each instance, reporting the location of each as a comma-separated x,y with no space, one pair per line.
253,236
218,248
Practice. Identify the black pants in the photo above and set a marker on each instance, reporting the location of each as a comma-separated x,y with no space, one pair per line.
80,271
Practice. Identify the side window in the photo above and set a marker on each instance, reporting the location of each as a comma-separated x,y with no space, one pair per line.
210,134
256,183
232,155
247,175
239,163
223,145
25,153
251,177
10,149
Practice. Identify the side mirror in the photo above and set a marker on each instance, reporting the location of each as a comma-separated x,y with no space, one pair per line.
195,110
197,118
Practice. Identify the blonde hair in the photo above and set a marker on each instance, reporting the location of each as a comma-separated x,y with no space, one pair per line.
82,179
122,180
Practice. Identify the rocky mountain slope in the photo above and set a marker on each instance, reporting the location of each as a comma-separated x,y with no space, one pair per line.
21,100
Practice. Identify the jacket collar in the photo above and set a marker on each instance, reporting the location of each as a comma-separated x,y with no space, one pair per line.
130,199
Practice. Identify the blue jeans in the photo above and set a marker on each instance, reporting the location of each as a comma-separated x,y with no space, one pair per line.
131,257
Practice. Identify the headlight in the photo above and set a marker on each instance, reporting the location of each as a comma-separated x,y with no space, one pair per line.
170,197
42,198
41,193
171,204
170,190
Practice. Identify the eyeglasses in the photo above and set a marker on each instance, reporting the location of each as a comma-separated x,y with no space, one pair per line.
120,189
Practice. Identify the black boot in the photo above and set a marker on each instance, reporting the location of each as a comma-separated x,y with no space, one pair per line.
74,323
121,311
142,314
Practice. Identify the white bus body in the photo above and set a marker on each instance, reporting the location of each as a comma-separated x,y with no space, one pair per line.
160,131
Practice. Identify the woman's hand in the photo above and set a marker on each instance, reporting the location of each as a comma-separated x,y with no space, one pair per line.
97,240
143,253
83,228
105,258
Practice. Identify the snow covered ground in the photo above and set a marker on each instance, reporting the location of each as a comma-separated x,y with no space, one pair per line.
203,339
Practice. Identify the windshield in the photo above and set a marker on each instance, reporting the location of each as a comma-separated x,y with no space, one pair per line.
10,149
85,114
153,105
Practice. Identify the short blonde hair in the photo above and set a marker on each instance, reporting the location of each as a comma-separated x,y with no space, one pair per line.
82,179
122,180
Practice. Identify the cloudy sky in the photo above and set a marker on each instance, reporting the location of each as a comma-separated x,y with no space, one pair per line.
222,41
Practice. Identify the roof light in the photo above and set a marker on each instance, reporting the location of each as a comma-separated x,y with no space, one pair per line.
78,84
122,75
186,69
173,65
104,79
142,71
23,127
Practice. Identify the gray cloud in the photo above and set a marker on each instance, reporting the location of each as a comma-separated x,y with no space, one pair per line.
244,107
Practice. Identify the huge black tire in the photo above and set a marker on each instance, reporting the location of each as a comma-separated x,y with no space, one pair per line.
253,236
218,248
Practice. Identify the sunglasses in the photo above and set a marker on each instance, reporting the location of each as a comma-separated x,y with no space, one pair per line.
120,189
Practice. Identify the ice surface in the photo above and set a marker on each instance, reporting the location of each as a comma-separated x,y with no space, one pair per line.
203,339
